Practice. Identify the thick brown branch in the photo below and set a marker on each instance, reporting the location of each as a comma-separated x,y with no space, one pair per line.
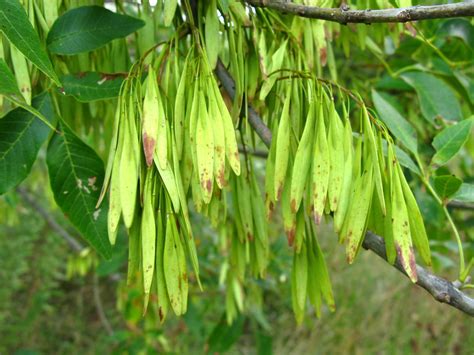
441,289
345,15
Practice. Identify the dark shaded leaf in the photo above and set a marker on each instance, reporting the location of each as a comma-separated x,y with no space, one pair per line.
92,86
14,23
21,137
437,99
76,174
86,28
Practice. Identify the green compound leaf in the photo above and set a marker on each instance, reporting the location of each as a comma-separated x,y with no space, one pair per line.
86,28
76,174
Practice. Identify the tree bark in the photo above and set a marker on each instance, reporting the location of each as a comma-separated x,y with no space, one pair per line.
344,15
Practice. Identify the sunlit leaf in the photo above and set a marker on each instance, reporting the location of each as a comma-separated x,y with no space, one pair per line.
450,141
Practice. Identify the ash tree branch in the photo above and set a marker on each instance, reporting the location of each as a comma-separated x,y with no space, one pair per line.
442,290
344,15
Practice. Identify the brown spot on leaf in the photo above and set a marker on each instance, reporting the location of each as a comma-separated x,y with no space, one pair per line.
323,55
160,313
221,177
209,185
317,218
148,148
280,189
293,205
291,236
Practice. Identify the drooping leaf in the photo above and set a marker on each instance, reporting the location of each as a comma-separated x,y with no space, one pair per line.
15,25
92,86
436,98
21,137
86,28
76,174
446,185
465,193
450,141
395,122
8,84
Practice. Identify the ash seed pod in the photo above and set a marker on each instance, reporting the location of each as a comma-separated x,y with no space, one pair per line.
150,117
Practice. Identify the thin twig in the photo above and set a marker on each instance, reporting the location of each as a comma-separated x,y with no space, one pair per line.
71,241
344,15
31,201
461,205
256,153
99,307
441,289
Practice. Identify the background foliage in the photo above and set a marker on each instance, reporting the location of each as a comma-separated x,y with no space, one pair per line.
58,299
